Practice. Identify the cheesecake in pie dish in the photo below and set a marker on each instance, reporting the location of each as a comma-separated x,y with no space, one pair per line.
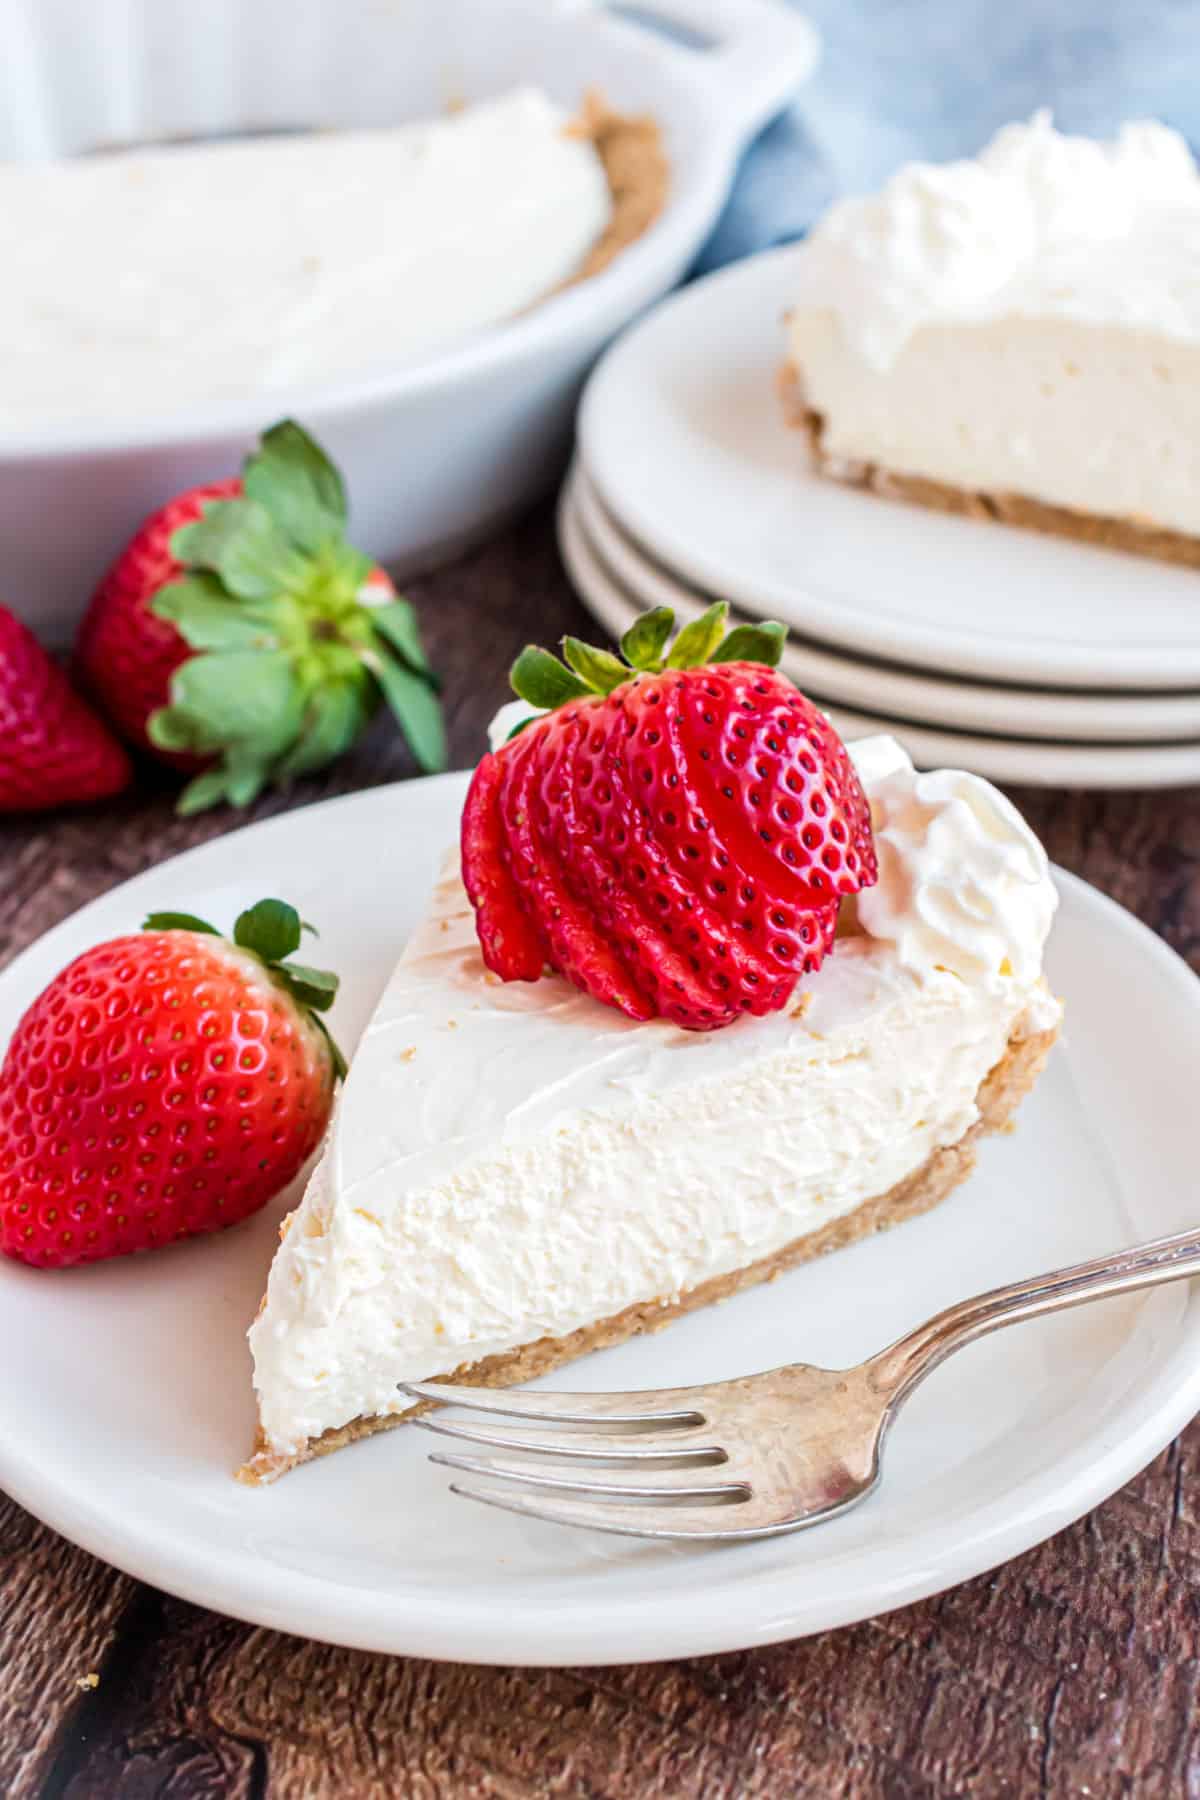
158,278
701,996
1015,337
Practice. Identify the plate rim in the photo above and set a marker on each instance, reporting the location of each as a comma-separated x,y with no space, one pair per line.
1027,762
299,1602
923,690
1140,669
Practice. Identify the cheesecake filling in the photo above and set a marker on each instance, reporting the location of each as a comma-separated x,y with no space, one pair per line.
515,1161
150,280
1096,419
1025,323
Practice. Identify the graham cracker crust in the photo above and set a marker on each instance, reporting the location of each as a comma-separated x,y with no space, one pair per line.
631,149
999,1096
1143,539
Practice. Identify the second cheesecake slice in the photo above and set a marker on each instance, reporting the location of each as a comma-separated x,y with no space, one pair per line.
1015,337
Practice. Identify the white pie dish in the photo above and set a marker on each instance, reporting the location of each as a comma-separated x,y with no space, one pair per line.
435,453
129,1399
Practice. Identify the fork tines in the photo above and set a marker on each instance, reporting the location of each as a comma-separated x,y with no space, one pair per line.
644,1435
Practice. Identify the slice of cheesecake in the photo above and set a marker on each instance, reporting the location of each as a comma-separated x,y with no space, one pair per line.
517,1173
1016,337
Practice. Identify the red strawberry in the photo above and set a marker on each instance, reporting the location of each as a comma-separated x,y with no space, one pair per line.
240,635
54,751
675,835
516,951
164,1084
125,651
573,934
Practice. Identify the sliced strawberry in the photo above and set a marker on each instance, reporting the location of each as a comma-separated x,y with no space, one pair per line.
578,802
511,945
670,887
776,780
676,789
683,832
578,948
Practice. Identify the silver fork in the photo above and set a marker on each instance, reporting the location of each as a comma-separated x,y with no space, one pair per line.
750,1458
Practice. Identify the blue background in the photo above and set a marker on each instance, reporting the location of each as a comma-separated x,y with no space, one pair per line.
933,79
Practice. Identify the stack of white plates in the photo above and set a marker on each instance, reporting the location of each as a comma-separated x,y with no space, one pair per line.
1026,658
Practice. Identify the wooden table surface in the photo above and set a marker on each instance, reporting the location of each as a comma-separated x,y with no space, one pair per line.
1074,1670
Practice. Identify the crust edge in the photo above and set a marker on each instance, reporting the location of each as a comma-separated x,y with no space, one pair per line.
631,149
1140,537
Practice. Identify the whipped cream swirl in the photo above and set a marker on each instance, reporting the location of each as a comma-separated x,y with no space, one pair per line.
1039,225
963,882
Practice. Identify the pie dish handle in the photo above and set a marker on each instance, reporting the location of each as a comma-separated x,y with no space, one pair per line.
754,53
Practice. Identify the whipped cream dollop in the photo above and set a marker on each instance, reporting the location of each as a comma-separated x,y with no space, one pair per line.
964,884
150,280
1040,224
511,1161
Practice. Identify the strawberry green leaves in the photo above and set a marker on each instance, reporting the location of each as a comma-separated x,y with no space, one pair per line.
247,707
698,641
752,643
178,921
397,622
645,641
298,486
239,542
599,670
337,715
297,637
541,680
411,696
271,930
211,618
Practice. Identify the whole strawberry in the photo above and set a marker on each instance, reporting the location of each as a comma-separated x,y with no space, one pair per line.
239,635
675,834
164,1084
54,751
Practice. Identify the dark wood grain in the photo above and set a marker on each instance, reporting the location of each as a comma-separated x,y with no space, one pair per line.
1071,1671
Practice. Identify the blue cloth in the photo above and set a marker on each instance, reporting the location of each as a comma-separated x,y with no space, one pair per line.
933,79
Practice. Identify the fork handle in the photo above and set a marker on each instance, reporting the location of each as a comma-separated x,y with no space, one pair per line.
898,1369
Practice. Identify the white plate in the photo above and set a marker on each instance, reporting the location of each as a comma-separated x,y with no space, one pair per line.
126,1399
683,433
1073,717
1021,760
